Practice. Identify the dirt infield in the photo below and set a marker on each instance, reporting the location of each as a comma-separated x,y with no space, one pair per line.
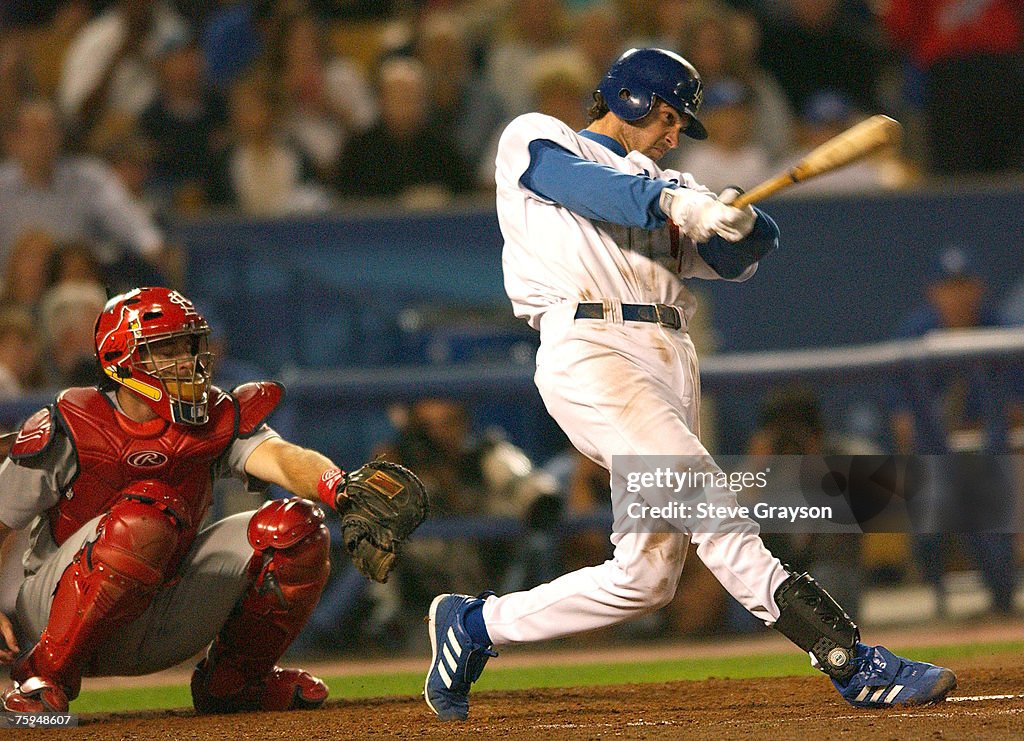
989,703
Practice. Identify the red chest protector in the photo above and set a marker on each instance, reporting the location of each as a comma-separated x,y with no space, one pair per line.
114,453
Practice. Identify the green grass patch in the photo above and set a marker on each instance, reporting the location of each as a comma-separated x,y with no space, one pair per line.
581,675
125,699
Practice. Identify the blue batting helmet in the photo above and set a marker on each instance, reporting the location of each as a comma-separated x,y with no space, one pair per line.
635,78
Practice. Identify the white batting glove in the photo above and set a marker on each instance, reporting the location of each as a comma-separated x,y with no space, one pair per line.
684,206
736,223
700,216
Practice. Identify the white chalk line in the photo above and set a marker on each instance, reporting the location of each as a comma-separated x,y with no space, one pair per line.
628,724
931,714
938,714
982,698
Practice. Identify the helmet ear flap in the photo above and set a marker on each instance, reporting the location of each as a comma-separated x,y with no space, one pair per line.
640,102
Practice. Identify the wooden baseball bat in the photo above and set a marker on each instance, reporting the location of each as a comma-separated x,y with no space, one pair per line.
856,142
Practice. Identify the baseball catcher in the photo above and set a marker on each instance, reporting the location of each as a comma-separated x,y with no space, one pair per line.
115,479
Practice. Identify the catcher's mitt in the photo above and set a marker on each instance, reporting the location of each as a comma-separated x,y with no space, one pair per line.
383,503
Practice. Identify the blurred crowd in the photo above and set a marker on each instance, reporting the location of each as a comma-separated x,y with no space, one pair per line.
288,106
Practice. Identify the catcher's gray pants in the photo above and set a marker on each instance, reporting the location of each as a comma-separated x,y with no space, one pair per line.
179,622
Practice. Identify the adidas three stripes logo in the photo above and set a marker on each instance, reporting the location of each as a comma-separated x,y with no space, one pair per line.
876,696
445,657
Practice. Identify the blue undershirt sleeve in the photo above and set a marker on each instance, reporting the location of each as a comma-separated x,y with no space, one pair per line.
603,193
593,190
730,259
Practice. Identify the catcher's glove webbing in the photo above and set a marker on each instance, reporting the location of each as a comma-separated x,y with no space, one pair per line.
380,504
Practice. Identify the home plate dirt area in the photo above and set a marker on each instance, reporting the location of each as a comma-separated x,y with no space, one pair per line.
989,703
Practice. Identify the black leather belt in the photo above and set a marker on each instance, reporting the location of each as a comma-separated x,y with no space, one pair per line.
663,314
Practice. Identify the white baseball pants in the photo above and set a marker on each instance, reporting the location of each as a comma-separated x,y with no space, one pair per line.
629,388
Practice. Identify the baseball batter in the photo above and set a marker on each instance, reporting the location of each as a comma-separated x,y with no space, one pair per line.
598,240
115,481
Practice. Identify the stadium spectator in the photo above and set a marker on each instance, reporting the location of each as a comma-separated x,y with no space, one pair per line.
638,20
25,270
943,413
243,38
69,197
530,28
674,22
470,475
73,262
232,39
960,49
131,159
587,495
19,353
325,97
597,32
561,85
15,80
723,43
792,425
825,115
185,124
262,173
403,155
731,154
462,100
108,75
814,44
48,42
67,321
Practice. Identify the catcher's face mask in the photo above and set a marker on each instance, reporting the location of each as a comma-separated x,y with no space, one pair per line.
154,342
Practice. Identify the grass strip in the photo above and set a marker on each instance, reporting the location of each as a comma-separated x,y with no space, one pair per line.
580,675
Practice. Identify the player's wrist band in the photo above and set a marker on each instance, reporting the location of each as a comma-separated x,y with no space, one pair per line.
328,485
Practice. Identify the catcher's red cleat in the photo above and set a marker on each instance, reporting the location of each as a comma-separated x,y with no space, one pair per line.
283,689
35,695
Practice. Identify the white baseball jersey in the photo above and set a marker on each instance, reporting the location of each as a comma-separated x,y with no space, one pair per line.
554,255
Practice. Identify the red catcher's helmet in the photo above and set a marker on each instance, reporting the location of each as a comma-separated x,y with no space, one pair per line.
154,342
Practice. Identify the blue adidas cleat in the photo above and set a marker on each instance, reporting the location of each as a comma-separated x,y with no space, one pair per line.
456,661
884,680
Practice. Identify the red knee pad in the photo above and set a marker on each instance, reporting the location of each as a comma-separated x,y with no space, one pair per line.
125,563
137,540
292,548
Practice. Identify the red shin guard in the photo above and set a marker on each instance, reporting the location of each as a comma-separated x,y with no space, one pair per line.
110,583
289,568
